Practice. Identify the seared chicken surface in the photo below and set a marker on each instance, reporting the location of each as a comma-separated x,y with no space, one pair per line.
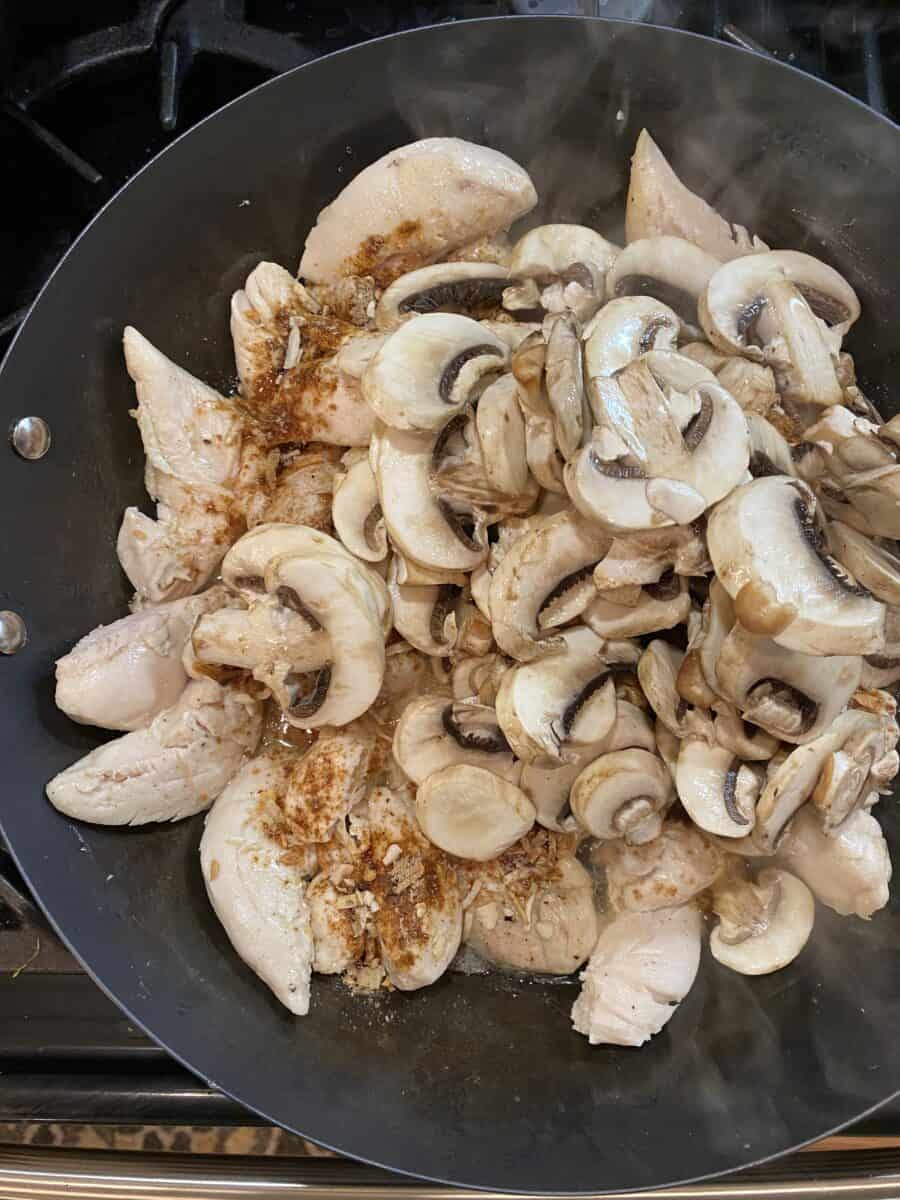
402,615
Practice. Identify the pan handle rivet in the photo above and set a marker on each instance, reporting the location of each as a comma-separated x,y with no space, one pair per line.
13,634
30,437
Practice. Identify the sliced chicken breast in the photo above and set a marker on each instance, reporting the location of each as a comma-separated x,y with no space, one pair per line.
849,870
413,206
642,967
255,883
121,676
174,768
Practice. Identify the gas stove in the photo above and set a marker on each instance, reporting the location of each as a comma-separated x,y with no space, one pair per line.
88,94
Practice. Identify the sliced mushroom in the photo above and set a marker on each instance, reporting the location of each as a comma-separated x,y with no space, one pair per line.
658,671
743,740
768,551
810,377
664,873
556,933
793,696
644,466
872,565
718,792
513,333
471,813
565,383
735,297
420,525
622,793
255,884
542,455
659,203
751,383
171,769
770,453
356,512
458,287
479,677
644,556
763,925
849,871
427,369
642,967
626,328
542,581
461,475
567,264
425,615
660,606
501,434
549,707
415,205
668,268
435,732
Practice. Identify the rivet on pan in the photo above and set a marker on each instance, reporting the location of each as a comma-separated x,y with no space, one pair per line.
30,437
13,634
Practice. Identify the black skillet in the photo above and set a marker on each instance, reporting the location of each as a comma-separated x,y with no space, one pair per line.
476,1080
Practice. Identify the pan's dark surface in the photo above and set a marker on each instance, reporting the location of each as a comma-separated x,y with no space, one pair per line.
474,1081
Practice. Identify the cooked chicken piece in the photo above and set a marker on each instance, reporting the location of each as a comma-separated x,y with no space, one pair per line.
672,869
121,676
413,206
549,927
193,439
294,380
174,768
256,886
303,492
849,870
643,966
418,921
327,781
339,918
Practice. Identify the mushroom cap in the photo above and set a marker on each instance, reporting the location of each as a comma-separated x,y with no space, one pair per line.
545,252
658,672
501,435
426,370
668,268
785,934
435,732
565,383
715,789
356,512
626,328
471,813
620,791
425,614
872,565
659,606
458,287
768,555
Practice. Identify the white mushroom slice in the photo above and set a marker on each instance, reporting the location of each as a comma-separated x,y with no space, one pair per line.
418,909
356,512
644,467
544,580
501,435
644,556
121,676
322,786
479,677
751,383
793,696
565,384
541,452
875,495
557,935
658,671
513,333
768,552
762,926
872,565
717,622
849,871
423,527
664,873
667,746
567,264
414,205
415,575
173,768
659,203
743,740
458,287
548,788
460,477
735,297
811,377
668,268
642,967
427,369
770,453
425,615
619,792
626,328
550,707
435,732
255,886
302,494
834,770
471,813
718,792
690,682
660,606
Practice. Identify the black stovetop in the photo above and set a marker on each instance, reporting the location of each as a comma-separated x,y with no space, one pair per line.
88,94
